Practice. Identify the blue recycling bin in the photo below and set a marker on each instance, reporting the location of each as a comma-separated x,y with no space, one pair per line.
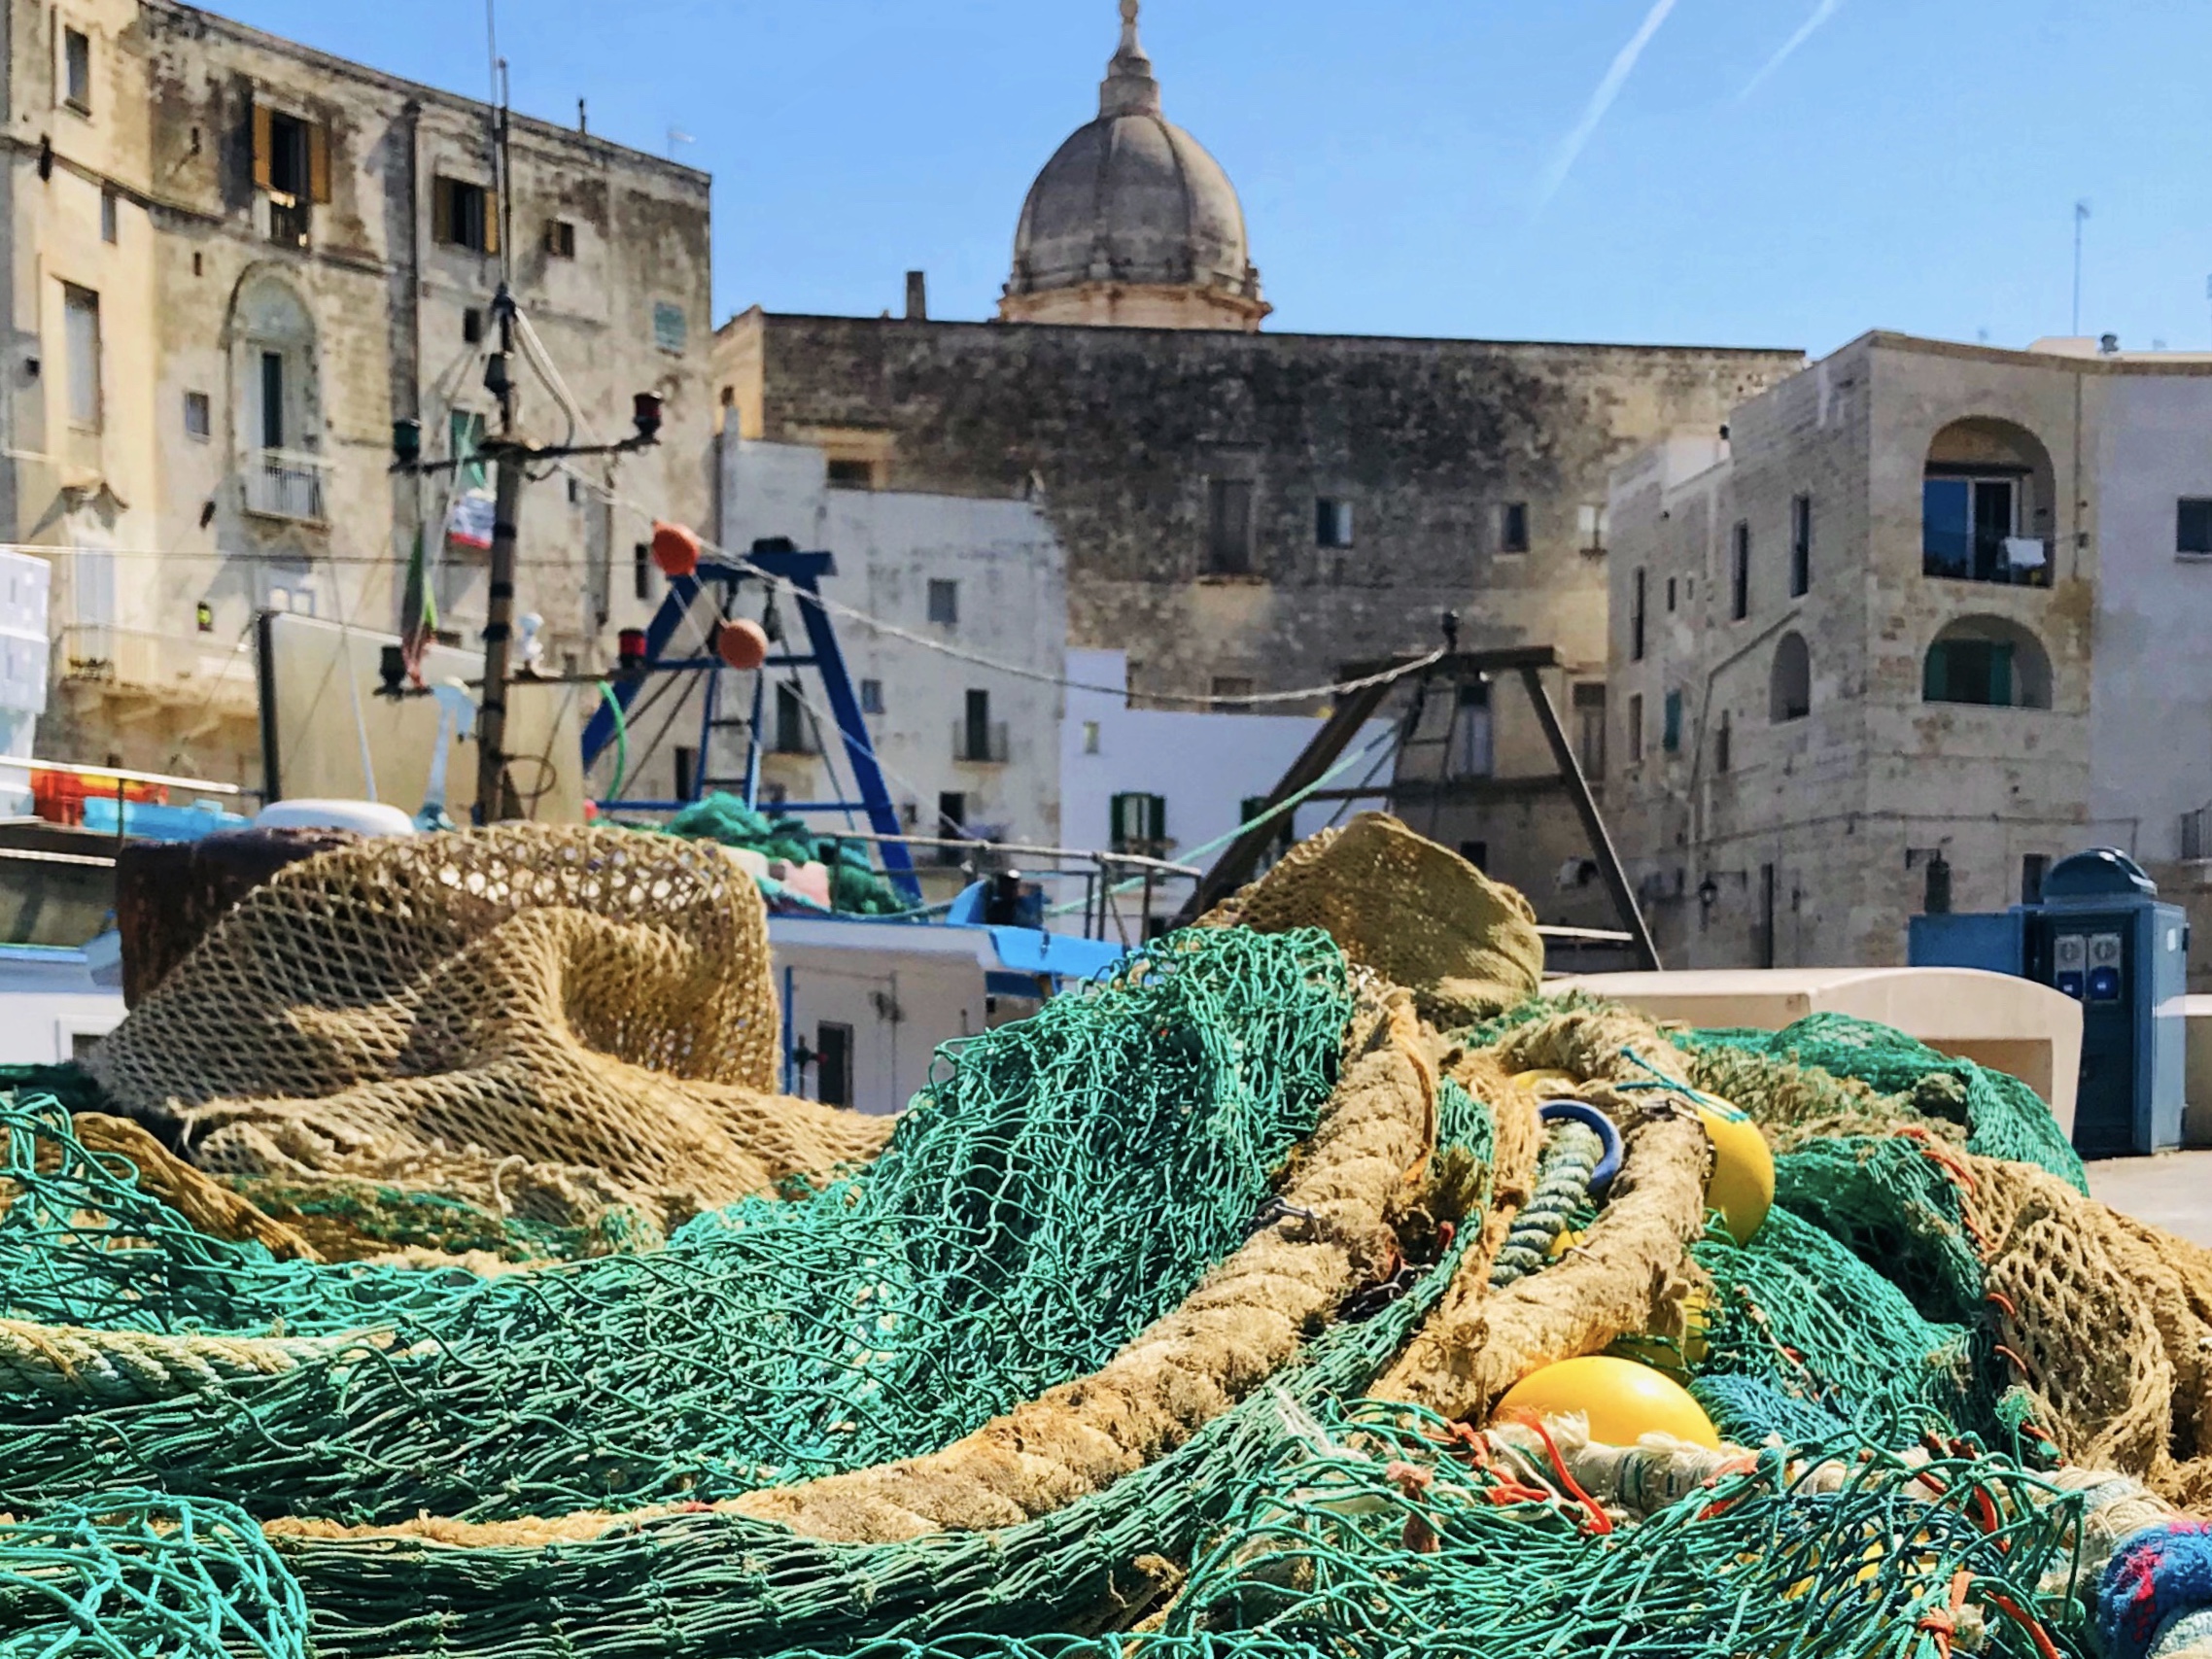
2101,936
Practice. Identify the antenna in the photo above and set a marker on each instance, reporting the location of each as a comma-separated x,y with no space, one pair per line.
2081,218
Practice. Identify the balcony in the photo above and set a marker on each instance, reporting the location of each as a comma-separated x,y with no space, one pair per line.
980,742
2196,836
284,483
185,671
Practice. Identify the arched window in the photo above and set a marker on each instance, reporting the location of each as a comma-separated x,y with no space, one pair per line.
1789,686
1986,505
1989,661
277,399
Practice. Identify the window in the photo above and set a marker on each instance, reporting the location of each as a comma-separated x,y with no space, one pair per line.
1990,661
2032,868
1091,736
1590,728
473,326
1739,572
1789,686
870,697
1139,823
108,228
1669,592
1476,853
687,773
833,1063
1471,753
1332,522
1634,727
847,473
951,823
1229,527
1229,689
464,216
2192,525
1635,618
1723,743
975,727
77,70
1671,722
1935,895
1591,523
560,239
81,334
1514,527
944,601
272,401
199,416
1800,546
291,168
641,570
791,733
669,325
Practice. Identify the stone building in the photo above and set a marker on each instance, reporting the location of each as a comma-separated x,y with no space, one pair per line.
1927,619
1248,512
234,262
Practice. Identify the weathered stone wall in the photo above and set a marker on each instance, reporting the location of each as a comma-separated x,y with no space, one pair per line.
169,135
1117,433
1850,804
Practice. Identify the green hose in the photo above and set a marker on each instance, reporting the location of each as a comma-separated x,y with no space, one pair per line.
621,741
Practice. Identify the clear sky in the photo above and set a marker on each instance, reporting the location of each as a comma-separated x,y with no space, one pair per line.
1740,172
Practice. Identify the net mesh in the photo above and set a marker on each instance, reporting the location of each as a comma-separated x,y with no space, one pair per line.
1166,1322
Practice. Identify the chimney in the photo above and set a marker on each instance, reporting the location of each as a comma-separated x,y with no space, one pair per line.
917,297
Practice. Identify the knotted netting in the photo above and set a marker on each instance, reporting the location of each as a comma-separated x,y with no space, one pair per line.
1170,1322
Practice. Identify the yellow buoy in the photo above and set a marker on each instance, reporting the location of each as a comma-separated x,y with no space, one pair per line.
1742,1184
1548,1084
1622,1401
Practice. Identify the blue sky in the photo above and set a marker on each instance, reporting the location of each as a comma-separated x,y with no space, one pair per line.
1410,167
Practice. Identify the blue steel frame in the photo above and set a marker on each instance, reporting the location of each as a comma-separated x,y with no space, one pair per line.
802,573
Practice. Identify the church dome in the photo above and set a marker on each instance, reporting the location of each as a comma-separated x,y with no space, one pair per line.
1132,221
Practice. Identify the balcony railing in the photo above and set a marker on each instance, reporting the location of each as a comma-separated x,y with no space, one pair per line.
283,483
185,669
1978,556
2197,835
980,742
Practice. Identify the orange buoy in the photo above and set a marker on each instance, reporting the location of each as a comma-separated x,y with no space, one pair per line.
675,549
743,644
1621,1400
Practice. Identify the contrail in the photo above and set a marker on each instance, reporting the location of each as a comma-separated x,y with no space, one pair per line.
1602,100
1822,12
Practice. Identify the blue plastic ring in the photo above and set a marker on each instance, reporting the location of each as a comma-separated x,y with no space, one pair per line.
1609,1137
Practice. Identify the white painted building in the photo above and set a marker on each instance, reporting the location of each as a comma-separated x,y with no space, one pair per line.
965,747
1204,769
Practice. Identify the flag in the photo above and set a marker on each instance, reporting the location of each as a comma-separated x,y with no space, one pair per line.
418,607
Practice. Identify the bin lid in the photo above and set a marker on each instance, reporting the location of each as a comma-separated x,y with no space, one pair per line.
2103,871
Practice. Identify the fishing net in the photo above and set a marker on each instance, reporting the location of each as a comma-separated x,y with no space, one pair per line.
855,886
1172,1321
587,999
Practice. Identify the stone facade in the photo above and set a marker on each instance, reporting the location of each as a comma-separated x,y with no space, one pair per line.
189,201
1252,512
1821,741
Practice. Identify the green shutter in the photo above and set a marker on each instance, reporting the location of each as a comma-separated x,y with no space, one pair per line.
2001,677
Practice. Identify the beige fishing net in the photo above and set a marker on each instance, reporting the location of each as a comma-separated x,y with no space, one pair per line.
596,1000
1417,914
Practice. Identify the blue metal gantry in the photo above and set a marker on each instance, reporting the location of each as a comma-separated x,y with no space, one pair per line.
801,574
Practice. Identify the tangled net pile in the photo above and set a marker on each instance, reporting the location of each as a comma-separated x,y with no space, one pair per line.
1169,1322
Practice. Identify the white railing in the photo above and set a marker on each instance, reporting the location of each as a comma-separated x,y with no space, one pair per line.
284,483
185,669
979,745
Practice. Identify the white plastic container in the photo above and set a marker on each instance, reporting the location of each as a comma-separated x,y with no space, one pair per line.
362,818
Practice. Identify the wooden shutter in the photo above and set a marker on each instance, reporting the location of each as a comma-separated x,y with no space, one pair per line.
319,161
263,144
490,220
441,210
